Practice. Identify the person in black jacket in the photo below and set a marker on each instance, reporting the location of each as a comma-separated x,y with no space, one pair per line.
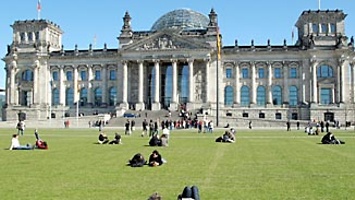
137,161
155,159
329,138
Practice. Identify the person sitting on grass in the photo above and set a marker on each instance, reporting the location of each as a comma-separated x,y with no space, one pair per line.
15,144
155,140
228,136
329,138
103,139
155,159
137,161
116,140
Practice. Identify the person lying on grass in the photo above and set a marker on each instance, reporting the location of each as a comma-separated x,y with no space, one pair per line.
15,144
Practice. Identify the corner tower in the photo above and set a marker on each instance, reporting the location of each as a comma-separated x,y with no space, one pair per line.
321,28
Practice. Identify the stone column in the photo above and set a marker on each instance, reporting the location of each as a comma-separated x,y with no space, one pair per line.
285,93
61,86
90,89
237,84
253,83
156,102
269,83
303,86
207,81
339,84
314,82
124,103
191,81
13,97
174,99
35,94
342,80
140,105
104,86
76,85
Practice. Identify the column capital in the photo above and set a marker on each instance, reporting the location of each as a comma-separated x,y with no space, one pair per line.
190,60
174,60
140,61
156,61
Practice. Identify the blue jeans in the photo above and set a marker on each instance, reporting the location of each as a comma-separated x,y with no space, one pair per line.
23,147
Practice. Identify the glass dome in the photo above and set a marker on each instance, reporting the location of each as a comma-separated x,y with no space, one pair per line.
185,19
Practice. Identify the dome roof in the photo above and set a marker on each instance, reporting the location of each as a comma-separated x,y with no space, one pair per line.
185,19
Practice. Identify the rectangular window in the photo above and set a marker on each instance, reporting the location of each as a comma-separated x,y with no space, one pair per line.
245,73
112,74
261,73
69,75
325,28
315,28
30,36
97,75
332,28
22,37
55,76
83,76
229,73
37,36
325,96
293,72
277,73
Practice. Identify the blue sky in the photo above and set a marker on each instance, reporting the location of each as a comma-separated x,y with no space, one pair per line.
83,20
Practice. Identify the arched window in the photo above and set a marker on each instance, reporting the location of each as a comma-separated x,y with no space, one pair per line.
113,96
276,95
244,96
293,96
261,96
27,75
69,97
325,71
98,97
83,97
228,96
55,97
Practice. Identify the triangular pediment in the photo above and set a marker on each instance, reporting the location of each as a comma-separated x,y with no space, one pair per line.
165,41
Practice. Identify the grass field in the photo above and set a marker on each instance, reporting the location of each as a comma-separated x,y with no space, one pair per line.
262,164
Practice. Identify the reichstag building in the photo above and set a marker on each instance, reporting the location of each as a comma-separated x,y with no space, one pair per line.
177,63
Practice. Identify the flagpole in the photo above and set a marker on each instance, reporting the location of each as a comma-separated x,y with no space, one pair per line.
39,7
217,76
318,4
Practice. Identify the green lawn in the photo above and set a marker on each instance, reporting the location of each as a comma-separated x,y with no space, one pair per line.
262,164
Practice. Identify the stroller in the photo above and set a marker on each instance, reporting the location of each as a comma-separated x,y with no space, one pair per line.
40,144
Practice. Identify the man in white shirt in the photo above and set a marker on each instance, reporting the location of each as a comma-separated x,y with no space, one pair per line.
15,144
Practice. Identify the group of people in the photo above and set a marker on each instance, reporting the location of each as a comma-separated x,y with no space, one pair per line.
155,159
103,139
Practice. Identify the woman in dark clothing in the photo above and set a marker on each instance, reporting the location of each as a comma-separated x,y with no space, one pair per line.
117,139
155,159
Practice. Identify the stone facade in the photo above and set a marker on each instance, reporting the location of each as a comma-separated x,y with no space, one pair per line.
176,65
